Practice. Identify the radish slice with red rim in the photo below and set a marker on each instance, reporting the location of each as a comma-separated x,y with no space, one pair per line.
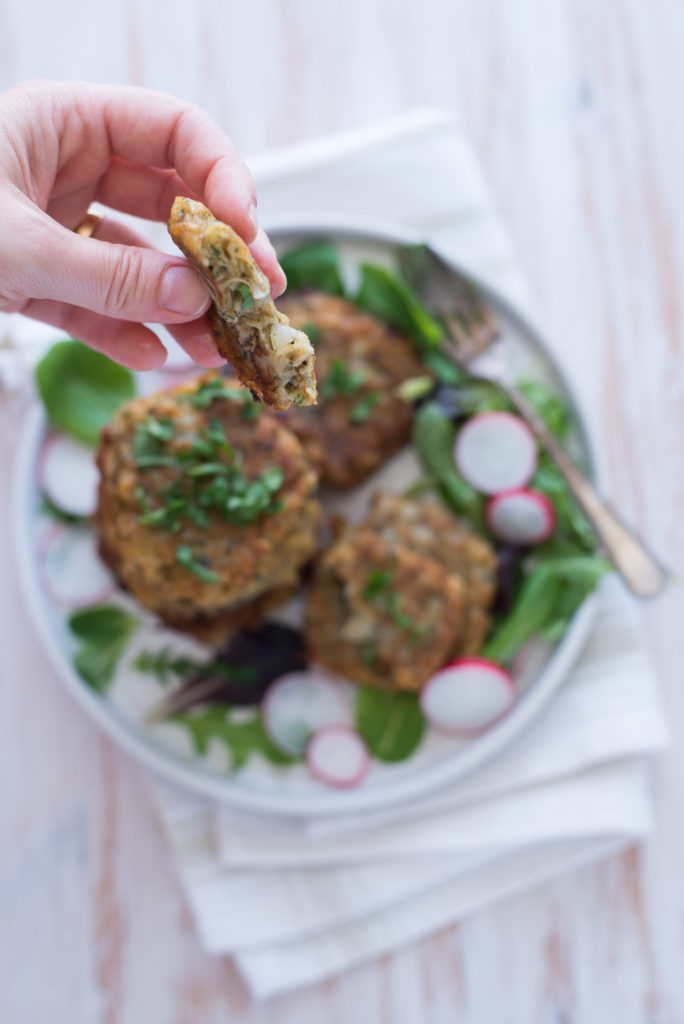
467,696
338,756
298,704
521,517
73,572
496,451
68,476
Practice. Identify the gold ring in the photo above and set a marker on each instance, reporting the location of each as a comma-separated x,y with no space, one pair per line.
89,225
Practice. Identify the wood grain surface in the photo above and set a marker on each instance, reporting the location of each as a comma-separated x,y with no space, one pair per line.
576,110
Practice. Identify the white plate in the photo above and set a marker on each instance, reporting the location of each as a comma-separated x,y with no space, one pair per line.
259,786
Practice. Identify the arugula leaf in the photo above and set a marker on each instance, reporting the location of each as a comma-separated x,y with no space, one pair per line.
392,724
389,297
549,405
433,438
164,665
240,738
103,632
81,389
313,265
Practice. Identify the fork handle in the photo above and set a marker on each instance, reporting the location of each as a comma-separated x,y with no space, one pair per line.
644,576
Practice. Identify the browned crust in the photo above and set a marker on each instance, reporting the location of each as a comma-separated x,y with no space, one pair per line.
343,452
258,564
358,637
278,370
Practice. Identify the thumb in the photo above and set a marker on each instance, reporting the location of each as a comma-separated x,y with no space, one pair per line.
127,282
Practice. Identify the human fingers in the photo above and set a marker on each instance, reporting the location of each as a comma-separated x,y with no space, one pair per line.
263,252
150,191
127,282
146,192
127,343
158,130
196,336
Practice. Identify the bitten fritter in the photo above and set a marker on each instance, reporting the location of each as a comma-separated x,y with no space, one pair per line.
380,614
207,507
431,530
274,360
359,420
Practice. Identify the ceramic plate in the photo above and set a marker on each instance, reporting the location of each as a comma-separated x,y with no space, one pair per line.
260,786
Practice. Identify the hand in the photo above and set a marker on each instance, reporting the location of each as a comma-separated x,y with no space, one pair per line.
63,145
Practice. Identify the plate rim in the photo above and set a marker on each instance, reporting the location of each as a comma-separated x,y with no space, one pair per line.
189,775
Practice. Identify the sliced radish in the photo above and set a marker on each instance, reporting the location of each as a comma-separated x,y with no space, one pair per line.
73,572
68,476
338,756
521,517
467,696
496,451
297,705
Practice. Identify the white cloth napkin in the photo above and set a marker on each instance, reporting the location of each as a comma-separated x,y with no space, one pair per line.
295,902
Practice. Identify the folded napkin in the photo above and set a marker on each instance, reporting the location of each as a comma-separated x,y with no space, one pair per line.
296,901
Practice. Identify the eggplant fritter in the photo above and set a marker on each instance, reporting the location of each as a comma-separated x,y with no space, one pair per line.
359,420
275,361
207,509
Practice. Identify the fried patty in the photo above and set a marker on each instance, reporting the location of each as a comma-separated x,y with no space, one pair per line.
359,420
274,360
231,570
430,529
380,614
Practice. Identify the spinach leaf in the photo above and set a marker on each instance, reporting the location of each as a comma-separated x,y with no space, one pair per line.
81,389
103,632
392,724
547,600
313,265
389,297
240,738
433,438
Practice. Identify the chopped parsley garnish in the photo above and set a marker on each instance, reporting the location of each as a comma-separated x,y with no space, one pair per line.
215,388
185,556
341,381
246,296
377,582
363,409
312,332
209,483
377,590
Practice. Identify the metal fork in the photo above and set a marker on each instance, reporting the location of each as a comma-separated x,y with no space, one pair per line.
470,329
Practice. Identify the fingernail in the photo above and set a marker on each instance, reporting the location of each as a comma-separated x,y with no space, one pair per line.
183,292
253,216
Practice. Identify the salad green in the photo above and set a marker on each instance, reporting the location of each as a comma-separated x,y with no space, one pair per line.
81,389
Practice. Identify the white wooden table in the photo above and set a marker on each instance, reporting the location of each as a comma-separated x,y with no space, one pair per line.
576,109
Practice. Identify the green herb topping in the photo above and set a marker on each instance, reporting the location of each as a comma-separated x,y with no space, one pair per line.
341,381
216,388
363,409
246,296
185,557
208,482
